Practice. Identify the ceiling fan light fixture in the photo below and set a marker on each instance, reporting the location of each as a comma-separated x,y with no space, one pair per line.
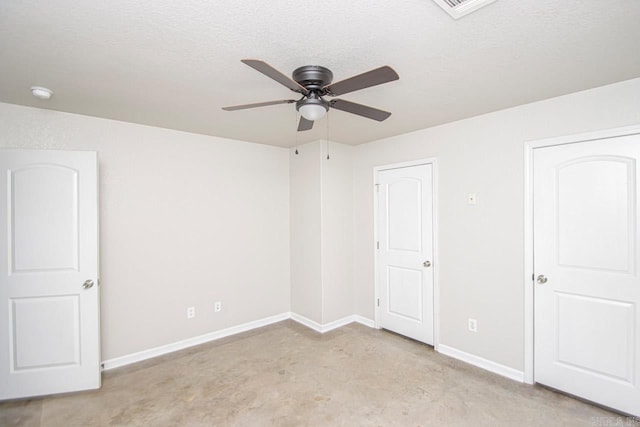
313,107
312,112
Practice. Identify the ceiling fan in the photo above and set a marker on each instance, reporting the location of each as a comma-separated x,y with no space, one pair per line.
313,82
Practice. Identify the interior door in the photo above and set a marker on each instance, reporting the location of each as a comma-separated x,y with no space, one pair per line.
49,299
587,290
405,251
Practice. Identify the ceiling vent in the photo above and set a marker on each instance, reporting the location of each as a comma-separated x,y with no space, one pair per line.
459,8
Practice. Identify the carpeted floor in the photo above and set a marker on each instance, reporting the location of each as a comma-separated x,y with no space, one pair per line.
288,375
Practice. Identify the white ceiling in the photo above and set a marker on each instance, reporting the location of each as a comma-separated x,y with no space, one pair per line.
174,64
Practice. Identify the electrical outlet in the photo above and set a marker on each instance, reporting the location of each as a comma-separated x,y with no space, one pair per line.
473,325
471,198
217,306
191,312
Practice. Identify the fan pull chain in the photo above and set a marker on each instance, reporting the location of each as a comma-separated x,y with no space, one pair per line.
295,129
328,157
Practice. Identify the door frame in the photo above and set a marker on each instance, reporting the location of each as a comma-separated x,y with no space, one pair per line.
528,283
434,230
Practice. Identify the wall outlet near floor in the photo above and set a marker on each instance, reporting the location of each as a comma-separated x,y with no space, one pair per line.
217,306
473,325
191,312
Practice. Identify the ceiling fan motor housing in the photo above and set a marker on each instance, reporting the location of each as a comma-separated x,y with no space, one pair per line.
312,77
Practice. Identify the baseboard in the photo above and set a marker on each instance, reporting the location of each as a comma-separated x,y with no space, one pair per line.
480,362
190,342
318,327
311,324
337,324
212,336
326,327
364,321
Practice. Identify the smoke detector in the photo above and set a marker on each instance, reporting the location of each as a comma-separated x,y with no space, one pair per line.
459,8
41,92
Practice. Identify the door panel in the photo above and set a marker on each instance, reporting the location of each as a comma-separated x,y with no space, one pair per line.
49,321
45,332
403,231
593,209
611,321
405,292
43,208
405,215
587,334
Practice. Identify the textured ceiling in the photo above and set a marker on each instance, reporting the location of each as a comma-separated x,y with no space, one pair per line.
174,64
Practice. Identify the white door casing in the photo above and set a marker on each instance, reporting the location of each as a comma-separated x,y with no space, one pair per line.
405,251
586,261
49,296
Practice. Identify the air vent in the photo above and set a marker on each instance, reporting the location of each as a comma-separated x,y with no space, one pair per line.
459,8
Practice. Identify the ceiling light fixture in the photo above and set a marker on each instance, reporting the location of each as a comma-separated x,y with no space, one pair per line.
41,92
313,107
312,112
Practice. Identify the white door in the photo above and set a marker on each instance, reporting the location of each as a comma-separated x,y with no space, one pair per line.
586,260
49,299
405,251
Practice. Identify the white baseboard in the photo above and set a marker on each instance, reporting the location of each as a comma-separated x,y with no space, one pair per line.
337,324
480,362
212,336
201,339
117,362
322,328
311,324
326,327
364,321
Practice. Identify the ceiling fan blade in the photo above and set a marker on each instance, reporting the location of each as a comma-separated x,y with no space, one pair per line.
276,75
375,77
257,104
304,124
359,109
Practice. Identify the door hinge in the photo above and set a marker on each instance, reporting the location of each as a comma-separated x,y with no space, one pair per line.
378,302
533,277
378,245
377,188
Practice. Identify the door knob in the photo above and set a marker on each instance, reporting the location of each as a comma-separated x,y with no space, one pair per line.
541,279
87,284
427,263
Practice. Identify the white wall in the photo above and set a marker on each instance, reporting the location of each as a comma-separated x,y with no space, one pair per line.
186,220
481,262
337,232
322,232
306,245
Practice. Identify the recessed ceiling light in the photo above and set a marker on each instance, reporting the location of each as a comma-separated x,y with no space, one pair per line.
41,92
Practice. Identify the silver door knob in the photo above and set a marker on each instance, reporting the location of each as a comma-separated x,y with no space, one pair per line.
87,284
541,279
427,263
